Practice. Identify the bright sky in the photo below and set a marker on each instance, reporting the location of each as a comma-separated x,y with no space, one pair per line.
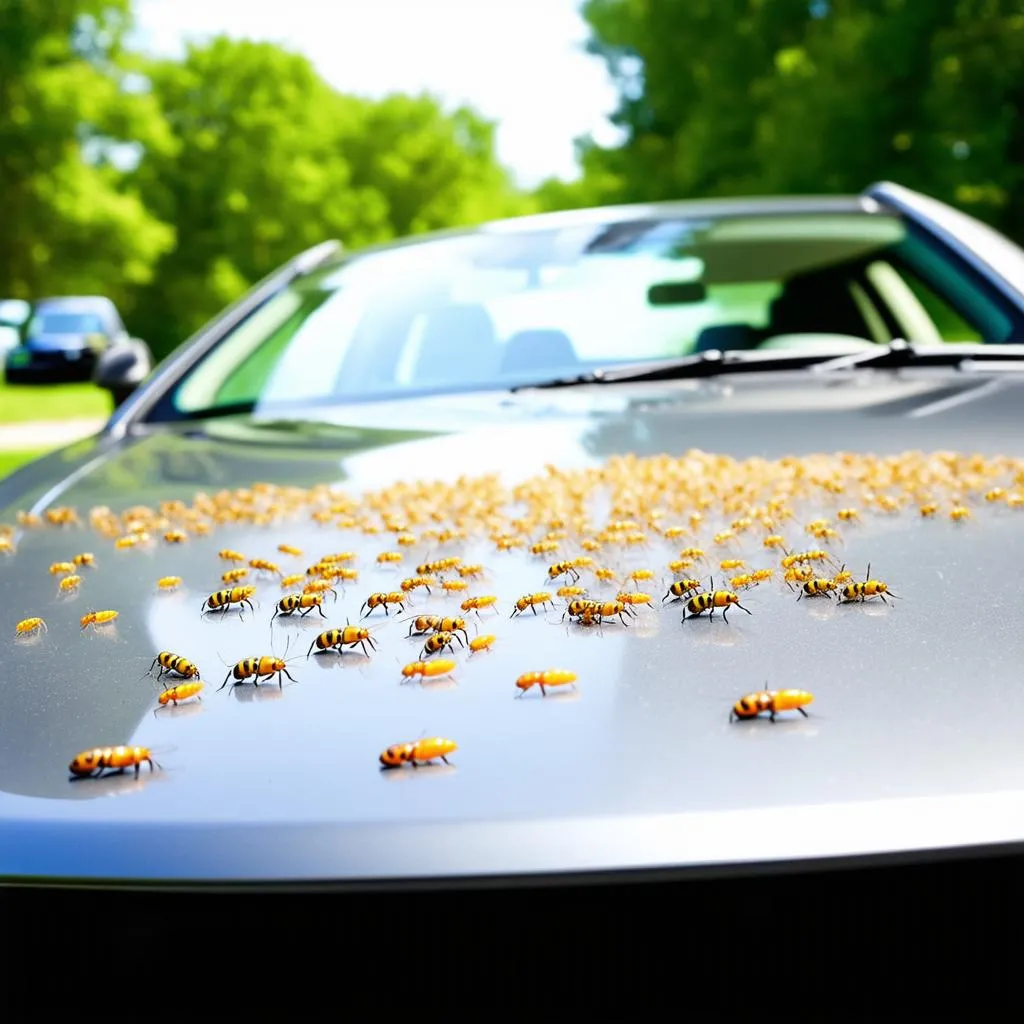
518,62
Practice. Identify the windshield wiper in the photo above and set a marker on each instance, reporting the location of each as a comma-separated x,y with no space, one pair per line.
702,364
896,354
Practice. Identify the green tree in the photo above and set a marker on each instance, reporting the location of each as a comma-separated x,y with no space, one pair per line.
71,220
775,96
271,160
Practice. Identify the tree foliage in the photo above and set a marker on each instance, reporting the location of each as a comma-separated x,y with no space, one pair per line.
777,96
69,218
172,186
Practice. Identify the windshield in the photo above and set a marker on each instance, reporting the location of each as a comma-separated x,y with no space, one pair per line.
516,303
65,323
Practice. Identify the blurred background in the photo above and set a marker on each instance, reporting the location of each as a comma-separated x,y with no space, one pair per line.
165,155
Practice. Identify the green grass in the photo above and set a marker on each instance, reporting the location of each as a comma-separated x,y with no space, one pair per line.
10,461
22,402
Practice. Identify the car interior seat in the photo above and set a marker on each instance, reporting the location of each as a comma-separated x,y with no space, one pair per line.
459,344
817,304
538,350
727,337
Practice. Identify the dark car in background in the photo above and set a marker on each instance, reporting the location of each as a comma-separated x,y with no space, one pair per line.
63,339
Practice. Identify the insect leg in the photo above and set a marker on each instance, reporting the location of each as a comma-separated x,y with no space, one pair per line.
288,674
225,683
804,713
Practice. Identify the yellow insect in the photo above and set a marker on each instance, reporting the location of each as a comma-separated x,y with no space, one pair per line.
474,604
423,624
634,597
389,557
223,599
131,540
570,592
848,515
234,575
180,692
798,574
230,556
550,677
289,549
168,583
262,565
680,590
420,752
482,643
774,540
605,575
31,625
819,587
928,509
289,582
610,609
62,568
429,669
319,587
437,642
451,625
98,618
170,662
380,600
454,586
426,582
349,636
731,563
762,575
302,603
640,574
743,581
175,537
959,513
710,601
867,588
85,558
6,546
470,571
697,554
772,701
70,583
563,569
531,601
265,667
93,763
544,547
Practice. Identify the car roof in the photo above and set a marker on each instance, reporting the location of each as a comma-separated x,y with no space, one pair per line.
77,303
744,206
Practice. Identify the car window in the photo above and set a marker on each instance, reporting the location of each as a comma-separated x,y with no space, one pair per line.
65,323
503,306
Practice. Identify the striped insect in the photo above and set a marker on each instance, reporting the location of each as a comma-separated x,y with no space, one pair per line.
261,667
93,763
26,627
301,603
170,662
772,702
223,599
420,752
336,639
866,588
712,600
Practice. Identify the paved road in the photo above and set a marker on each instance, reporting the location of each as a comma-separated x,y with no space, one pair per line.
46,433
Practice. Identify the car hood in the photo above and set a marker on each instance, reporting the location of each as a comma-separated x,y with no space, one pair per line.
912,742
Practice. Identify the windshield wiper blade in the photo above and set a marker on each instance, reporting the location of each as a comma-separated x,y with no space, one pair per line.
898,353
702,364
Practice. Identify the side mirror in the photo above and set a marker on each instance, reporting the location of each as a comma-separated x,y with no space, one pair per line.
122,368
